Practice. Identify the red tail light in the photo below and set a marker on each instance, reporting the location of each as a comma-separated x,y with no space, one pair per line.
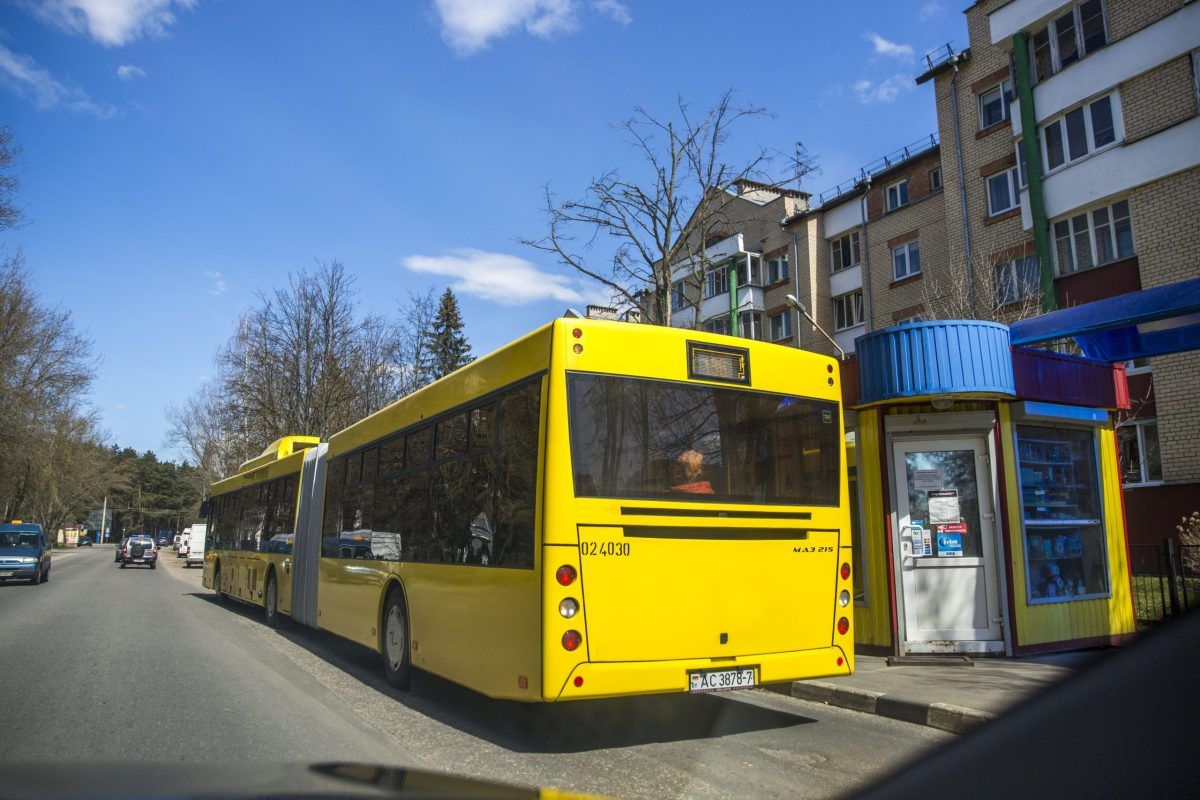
845,572
565,575
843,626
571,640
579,680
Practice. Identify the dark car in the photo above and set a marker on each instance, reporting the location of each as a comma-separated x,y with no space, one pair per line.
24,552
162,542
140,550
84,541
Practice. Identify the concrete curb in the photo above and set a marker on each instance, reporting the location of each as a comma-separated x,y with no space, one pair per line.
943,716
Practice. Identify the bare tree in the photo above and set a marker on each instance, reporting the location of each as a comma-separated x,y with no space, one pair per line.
663,217
416,319
11,215
1005,286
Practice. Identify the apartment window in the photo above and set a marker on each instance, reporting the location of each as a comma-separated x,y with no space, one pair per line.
679,294
848,310
1078,32
1022,170
1141,461
751,325
897,195
716,281
906,260
1004,191
935,179
781,326
993,105
1017,280
844,252
1092,238
910,320
716,325
777,269
754,263
1079,132
1138,366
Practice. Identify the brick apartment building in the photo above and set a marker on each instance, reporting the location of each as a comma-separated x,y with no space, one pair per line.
1100,202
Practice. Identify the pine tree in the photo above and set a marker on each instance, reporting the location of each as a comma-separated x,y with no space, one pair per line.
446,348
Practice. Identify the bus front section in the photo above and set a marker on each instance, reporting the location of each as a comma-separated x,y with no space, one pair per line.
696,529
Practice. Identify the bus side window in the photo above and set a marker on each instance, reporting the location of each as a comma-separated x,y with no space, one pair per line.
515,476
331,524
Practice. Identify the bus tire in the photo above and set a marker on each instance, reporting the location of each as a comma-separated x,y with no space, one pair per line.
271,601
393,641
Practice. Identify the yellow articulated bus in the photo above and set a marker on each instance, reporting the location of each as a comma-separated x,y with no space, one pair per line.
596,509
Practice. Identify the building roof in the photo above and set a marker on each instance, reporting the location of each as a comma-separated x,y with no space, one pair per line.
1150,322
946,60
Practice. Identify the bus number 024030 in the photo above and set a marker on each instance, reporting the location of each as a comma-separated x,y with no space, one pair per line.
604,548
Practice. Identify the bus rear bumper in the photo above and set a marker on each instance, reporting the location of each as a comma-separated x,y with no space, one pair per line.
618,678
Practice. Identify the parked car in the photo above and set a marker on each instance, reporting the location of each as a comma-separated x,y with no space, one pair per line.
195,553
84,541
162,542
140,550
24,552
120,549
175,543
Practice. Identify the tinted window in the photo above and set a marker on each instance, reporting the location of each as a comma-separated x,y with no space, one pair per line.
417,447
452,436
657,439
391,455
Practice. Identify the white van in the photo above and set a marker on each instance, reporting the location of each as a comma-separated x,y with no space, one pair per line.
195,547
182,550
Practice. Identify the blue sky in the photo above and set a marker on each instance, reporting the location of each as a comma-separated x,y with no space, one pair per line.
181,154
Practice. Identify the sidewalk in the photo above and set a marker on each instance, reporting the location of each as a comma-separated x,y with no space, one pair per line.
952,695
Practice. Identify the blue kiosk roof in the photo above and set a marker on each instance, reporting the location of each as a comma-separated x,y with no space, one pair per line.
1150,322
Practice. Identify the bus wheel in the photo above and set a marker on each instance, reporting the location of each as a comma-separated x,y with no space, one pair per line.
271,602
394,642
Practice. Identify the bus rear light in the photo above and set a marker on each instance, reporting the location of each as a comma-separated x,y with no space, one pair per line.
845,572
843,626
577,333
840,661
844,598
568,607
571,640
565,575
578,681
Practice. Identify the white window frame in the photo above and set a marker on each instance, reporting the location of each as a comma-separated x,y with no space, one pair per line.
1022,166
898,186
786,326
722,282
1060,121
907,249
1139,425
915,318
853,302
855,241
716,325
935,179
777,269
1090,213
1134,368
1012,177
1005,89
1056,65
1033,289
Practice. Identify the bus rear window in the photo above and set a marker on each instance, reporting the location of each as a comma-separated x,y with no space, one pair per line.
650,439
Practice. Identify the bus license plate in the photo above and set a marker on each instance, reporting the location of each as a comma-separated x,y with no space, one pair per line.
7,574
720,680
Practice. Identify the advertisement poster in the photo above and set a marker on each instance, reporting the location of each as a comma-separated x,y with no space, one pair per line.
943,507
926,542
950,540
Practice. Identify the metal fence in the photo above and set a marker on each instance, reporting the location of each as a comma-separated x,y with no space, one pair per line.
1166,579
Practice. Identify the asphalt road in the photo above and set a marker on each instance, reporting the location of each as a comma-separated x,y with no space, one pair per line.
107,664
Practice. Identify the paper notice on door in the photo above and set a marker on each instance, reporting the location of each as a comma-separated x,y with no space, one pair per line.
925,479
943,507
926,542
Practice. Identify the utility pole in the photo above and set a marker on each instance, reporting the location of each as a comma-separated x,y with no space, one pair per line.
103,521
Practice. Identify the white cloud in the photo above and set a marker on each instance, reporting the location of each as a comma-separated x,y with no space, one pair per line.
128,72
25,77
615,9
110,22
883,47
931,10
469,25
885,92
501,278
219,287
